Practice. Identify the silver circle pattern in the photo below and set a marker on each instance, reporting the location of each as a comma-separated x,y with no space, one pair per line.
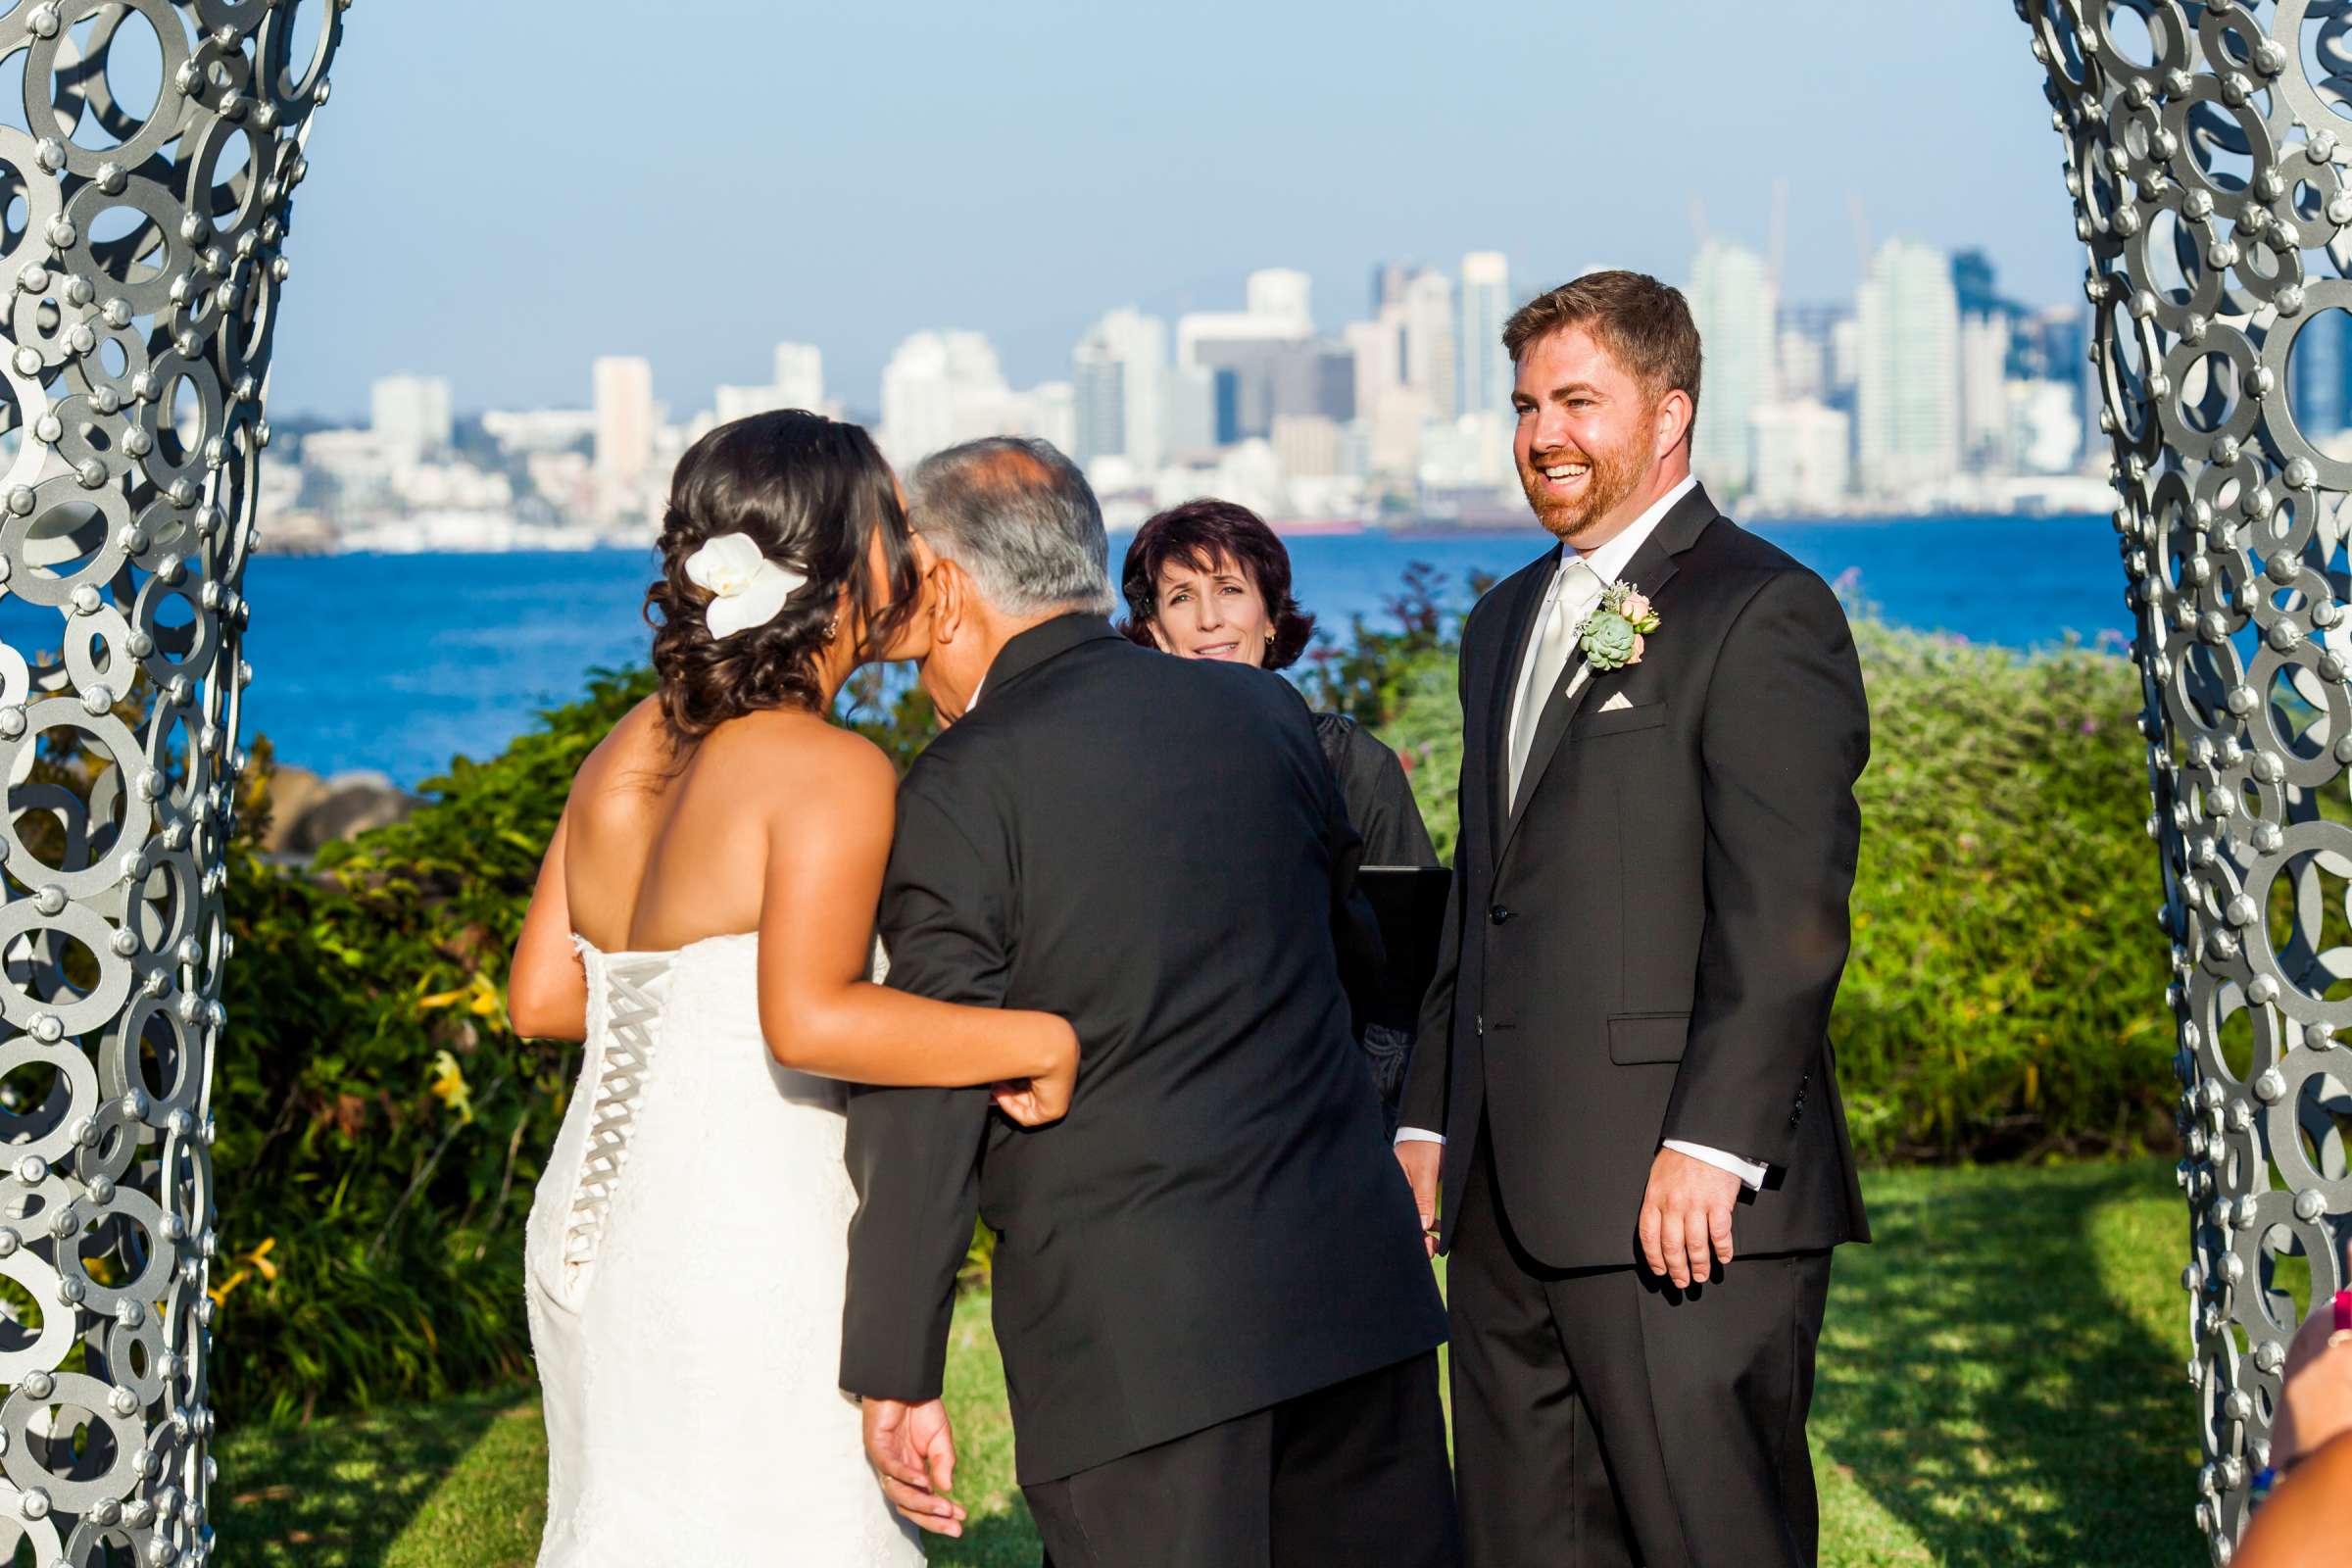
2207,153
147,167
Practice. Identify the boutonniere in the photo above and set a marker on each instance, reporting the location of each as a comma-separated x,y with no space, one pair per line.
1618,629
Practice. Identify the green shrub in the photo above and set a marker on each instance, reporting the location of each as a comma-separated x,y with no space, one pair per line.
381,1129
2006,997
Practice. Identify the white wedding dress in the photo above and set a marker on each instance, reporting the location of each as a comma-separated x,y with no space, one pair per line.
684,1268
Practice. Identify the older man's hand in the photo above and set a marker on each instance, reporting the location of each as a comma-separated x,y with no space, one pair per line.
912,1451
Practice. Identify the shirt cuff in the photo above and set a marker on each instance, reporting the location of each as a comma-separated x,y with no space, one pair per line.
1748,1170
1419,1135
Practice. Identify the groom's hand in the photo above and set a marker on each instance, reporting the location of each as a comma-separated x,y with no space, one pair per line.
1686,1217
912,1451
1421,1160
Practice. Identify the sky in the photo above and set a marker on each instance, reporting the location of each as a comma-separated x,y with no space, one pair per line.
501,190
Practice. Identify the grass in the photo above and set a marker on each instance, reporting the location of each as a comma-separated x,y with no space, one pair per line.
2001,1384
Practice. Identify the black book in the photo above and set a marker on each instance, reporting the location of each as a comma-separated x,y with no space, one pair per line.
1409,903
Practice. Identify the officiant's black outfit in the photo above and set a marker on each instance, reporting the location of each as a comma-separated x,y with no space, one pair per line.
1645,945
1219,1322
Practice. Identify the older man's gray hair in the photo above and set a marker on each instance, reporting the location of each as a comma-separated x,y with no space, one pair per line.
1020,520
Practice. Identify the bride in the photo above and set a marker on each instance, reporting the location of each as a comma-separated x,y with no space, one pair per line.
705,922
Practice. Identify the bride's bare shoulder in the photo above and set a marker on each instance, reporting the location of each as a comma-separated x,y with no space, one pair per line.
637,746
796,762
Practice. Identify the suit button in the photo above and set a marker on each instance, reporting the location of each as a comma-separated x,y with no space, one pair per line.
1497,914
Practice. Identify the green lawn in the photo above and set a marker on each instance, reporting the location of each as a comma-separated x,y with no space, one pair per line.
2001,1384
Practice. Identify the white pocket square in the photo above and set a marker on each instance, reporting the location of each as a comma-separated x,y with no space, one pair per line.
1617,702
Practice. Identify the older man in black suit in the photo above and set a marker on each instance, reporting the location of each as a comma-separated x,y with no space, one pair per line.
1624,1074
1219,1322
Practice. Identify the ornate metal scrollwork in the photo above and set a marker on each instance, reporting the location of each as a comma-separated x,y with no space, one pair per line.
142,220
2207,153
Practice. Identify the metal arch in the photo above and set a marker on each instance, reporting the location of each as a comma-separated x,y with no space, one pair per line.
2208,146
140,257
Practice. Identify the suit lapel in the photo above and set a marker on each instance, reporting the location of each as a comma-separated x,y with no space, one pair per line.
1650,570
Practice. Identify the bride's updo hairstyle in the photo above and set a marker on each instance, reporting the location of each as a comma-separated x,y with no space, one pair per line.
813,494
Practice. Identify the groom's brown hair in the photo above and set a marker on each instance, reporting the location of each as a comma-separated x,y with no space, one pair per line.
1643,324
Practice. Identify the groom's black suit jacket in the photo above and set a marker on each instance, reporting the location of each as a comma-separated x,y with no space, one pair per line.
1154,849
1646,945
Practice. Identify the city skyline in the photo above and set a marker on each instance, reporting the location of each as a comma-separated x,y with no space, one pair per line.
1095,159
1933,388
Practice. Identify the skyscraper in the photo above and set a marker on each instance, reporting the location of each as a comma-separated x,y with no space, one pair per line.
624,418
1431,358
938,389
1099,396
800,377
1908,371
1280,294
1122,360
1984,388
1732,302
410,416
1486,369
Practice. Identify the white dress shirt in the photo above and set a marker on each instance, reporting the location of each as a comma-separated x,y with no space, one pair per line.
1608,563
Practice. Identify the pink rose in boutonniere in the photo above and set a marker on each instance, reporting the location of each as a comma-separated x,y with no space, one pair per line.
1617,631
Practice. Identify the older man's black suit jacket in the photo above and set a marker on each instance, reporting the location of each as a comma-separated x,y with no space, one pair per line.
1154,849
1646,945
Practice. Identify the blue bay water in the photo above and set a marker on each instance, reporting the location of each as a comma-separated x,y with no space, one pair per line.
398,663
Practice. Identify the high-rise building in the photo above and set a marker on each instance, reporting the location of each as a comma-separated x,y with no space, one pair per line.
938,389
1802,368
1308,445
1984,389
1189,420
409,416
1802,458
1974,287
624,418
1099,401
798,384
1486,369
2320,370
1431,358
1279,294
2045,429
1732,301
800,377
1388,286
1908,349
1118,374
1378,351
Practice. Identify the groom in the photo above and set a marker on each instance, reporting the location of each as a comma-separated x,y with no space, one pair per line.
1624,1069
1218,1323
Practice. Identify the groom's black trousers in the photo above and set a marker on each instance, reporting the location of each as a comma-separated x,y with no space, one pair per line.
1604,1419
1354,1473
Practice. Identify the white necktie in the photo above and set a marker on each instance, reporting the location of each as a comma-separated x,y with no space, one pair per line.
1579,590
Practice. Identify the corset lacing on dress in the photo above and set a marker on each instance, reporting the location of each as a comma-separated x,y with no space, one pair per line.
633,988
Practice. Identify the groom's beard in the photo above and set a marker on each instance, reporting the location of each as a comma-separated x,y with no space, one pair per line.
1616,470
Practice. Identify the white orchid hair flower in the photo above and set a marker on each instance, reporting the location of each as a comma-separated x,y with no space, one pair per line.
747,589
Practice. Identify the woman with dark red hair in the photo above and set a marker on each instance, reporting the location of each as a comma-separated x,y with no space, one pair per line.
1209,580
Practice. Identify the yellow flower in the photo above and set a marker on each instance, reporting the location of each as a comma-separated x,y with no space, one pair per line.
477,996
449,1085
259,1260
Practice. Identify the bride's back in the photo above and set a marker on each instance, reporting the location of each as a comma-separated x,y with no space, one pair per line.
665,850
785,563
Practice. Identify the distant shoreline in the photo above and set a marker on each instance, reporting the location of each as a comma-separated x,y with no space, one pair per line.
1436,531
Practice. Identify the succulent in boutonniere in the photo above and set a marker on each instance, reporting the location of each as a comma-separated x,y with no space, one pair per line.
1618,629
